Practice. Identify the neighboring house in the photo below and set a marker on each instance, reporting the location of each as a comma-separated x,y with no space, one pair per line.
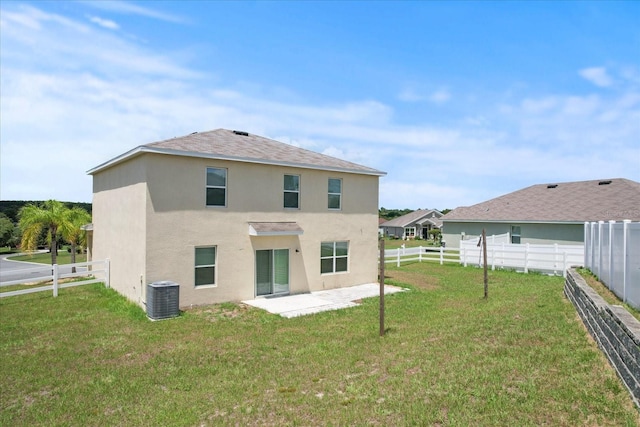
412,225
546,213
231,216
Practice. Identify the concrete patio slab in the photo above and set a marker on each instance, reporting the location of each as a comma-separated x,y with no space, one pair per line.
316,302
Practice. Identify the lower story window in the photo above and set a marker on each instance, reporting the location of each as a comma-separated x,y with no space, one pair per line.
205,266
334,257
409,232
515,234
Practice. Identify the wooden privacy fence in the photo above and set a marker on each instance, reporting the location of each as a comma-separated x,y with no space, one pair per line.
94,271
553,259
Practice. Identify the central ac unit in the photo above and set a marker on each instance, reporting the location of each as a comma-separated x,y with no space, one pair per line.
163,300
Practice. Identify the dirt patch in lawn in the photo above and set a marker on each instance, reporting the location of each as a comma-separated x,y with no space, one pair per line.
415,278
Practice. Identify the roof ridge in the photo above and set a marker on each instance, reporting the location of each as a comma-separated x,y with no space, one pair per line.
225,144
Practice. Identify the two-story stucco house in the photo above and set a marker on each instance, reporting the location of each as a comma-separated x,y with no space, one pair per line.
231,216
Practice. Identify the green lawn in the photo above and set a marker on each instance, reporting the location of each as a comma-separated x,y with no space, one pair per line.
64,257
522,357
396,243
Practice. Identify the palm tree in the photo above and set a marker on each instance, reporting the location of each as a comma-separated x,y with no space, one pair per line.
52,216
72,230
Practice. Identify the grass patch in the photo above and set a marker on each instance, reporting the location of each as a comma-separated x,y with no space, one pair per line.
45,258
605,292
449,357
414,243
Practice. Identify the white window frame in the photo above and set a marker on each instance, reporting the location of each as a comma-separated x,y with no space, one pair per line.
214,265
334,258
285,191
334,194
410,232
224,187
518,235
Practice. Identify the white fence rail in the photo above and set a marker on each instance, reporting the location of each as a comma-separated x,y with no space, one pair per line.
612,252
95,271
553,259
493,239
421,253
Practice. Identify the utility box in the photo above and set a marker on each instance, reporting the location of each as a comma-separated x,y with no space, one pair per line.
163,300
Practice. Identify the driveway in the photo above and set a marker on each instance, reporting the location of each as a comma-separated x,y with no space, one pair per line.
24,270
316,302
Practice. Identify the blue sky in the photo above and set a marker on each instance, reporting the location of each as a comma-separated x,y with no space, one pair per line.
458,102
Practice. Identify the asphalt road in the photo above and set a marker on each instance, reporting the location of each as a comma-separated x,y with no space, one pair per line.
19,270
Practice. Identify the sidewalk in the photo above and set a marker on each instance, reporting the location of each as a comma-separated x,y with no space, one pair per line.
316,302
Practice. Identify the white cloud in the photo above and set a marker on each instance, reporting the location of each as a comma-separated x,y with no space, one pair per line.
440,96
412,94
105,23
133,9
597,75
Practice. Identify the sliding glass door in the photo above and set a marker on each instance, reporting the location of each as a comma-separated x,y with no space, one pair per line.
272,272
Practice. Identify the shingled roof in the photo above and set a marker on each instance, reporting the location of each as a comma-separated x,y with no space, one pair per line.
410,218
241,146
597,200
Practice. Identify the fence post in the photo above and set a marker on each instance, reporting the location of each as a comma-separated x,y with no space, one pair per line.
107,274
564,264
464,258
593,248
55,280
600,225
441,255
420,254
398,263
587,244
526,258
625,265
610,275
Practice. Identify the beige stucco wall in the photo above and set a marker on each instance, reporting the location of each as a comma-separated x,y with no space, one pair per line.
177,221
533,233
119,223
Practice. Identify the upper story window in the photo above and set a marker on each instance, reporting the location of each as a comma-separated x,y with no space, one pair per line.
335,194
515,234
216,187
292,191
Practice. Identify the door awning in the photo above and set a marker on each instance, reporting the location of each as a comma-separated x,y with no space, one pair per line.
275,229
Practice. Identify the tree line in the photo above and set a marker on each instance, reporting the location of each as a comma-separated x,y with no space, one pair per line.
29,225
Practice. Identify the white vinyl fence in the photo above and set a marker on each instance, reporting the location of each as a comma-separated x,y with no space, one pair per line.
94,271
551,259
422,253
612,253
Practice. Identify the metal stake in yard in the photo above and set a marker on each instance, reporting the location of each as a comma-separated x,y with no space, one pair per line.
382,286
484,256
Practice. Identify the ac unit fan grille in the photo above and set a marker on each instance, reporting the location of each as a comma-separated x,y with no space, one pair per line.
163,300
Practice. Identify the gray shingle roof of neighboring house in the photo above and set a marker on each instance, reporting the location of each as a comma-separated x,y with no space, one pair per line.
410,218
436,222
240,146
582,201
